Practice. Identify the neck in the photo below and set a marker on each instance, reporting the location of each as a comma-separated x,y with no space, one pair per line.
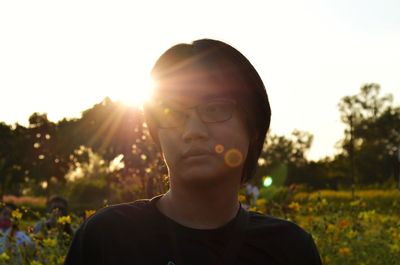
201,208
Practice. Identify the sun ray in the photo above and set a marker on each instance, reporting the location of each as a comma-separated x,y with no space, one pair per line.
137,95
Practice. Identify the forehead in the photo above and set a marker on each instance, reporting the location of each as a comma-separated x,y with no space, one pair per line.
56,204
195,85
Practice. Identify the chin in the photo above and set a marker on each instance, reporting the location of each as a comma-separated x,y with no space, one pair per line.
203,177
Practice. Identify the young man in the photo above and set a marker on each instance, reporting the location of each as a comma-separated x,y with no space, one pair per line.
209,117
11,238
57,206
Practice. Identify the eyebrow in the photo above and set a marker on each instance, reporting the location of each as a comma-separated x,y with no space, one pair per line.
215,96
182,102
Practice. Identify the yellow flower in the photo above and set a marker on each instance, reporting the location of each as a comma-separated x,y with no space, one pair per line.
60,259
295,206
351,234
394,248
242,198
4,257
326,259
355,203
261,202
345,251
64,220
89,213
16,214
366,215
34,262
383,218
49,242
253,209
330,228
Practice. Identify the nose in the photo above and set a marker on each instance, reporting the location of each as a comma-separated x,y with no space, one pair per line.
194,128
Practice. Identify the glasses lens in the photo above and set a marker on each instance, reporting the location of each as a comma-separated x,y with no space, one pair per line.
216,111
168,117
171,116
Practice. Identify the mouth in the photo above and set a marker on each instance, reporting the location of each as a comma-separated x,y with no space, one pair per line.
196,153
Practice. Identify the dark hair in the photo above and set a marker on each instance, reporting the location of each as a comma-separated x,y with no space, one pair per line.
9,205
61,200
223,64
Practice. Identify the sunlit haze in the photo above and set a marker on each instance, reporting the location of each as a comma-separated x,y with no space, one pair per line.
62,57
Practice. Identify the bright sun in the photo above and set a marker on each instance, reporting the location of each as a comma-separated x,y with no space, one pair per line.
137,95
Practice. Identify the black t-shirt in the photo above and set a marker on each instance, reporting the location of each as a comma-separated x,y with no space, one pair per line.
138,233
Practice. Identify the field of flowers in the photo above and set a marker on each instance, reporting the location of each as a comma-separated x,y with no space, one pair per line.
360,230
363,231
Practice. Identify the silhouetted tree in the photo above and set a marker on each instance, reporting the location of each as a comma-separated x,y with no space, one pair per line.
282,157
376,133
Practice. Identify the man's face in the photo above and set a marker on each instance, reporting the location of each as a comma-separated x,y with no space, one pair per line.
5,214
56,209
200,151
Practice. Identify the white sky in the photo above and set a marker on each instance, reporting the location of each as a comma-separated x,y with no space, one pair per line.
62,57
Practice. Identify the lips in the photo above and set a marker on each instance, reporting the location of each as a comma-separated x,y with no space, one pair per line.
196,152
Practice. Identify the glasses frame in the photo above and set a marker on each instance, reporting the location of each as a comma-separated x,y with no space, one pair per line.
197,107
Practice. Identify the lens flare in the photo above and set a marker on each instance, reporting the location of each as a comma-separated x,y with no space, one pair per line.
233,157
219,148
267,181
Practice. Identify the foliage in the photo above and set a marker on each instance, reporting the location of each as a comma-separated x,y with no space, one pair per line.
365,230
282,157
372,137
46,154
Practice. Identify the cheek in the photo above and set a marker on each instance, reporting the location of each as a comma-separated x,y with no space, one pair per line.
233,144
169,146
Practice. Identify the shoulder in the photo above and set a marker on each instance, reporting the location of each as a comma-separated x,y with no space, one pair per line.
22,237
277,229
119,215
261,221
283,238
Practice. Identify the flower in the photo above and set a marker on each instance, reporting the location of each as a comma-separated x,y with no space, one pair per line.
49,242
89,213
344,223
4,257
64,220
242,198
261,202
345,251
60,259
351,234
326,259
394,248
330,228
16,214
34,262
355,203
294,206
366,215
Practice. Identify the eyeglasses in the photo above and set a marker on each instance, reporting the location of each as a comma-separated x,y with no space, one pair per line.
217,110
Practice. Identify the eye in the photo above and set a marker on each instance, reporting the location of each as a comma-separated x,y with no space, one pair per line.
213,107
216,107
169,117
